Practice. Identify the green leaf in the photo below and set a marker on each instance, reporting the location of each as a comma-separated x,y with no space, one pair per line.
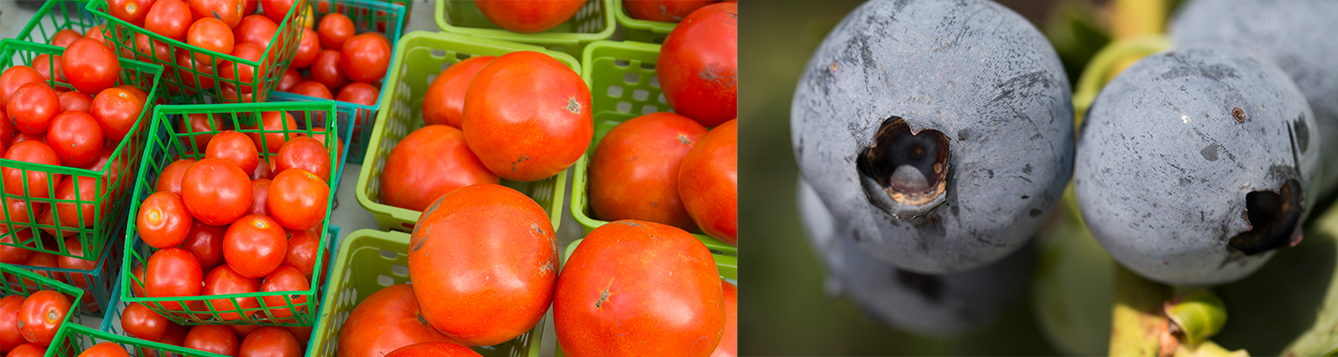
1074,286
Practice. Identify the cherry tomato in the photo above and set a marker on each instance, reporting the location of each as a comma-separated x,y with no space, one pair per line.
224,281
210,34
169,179
663,10
14,77
527,116
95,33
175,336
483,264
137,285
334,29
307,48
45,216
116,110
429,349
90,66
21,137
634,170
360,93
530,15
444,101
240,75
32,107
269,136
213,338
173,272
302,248
730,342
285,278
163,221
202,123
47,64
276,10
141,322
75,137
44,260
290,78
68,101
65,37
215,191
189,68
298,199
234,147
387,320
205,242
230,95
105,349
264,170
27,350
11,254
41,315
34,152
699,64
153,51
428,163
250,7
132,11
325,69
270,341
255,245
259,196
312,89
364,58
88,262
9,323
80,193
319,135
708,182
227,11
613,293
304,153
170,18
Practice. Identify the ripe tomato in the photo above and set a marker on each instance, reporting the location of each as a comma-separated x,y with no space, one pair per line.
250,7
116,110
243,330
527,116
298,199
65,37
730,342
613,292
312,89
204,124
360,93
227,11
277,10
11,254
41,315
90,66
27,350
224,281
270,341
264,170
150,50
170,18
211,34
105,349
319,135
189,68
385,321
285,278
95,33
205,242
259,196
18,211
79,208
213,338
9,323
529,16
169,179
132,11
302,249
483,264
244,76
325,69
708,181
45,216
290,78
75,137
47,65
173,272
34,152
428,163
634,170
269,136
429,349
216,192
163,221
304,153
365,58
307,48
32,107
68,101
663,10
234,147
444,101
334,29
13,78
21,137
137,284
44,260
699,64
141,322
254,245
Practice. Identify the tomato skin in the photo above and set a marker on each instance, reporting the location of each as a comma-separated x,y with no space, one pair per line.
69,212
205,242
256,30
65,37
41,315
444,102
284,278
34,152
32,107
270,341
541,106
428,163
162,221
360,93
312,89
243,75
298,199
116,110
213,338
211,34
105,349
204,124
235,148
290,78
90,66
429,349
259,196
307,48
302,249
10,254
76,138
365,58
325,69
663,10
273,124
68,101
132,11
634,170
227,11
223,280
27,350
216,192
14,77
613,290
304,153
173,272
188,78
141,322
529,16
276,10
169,179
698,65
47,65
729,343
319,135
9,323
334,29
170,18
708,182
387,320
254,245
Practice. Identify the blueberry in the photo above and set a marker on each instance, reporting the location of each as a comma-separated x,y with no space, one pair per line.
1297,35
940,133
925,304
1193,165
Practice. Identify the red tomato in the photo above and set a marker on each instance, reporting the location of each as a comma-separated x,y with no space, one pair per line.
273,125
17,211
483,264
699,64
708,181
200,123
254,245
105,349
312,89
95,33
325,69
290,78
9,323
173,272
444,101
260,196
41,315
234,147
319,135
163,221
14,77
385,321
170,178
663,10
256,30
276,10
34,152
153,51
116,110
729,344
216,192
47,64
139,93
303,334
227,11
302,248
307,48
298,199
90,66
32,107
75,137
189,67
429,349
132,11
170,18
141,322
65,37
21,137
428,163
527,116
304,153
285,278
264,170
359,93
68,101
250,6
613,293
27,350
242,330
213,338
11,254
365,58
634,170
244,76
334,29
137,285
205,242
44,260
270,341
45,216
211,34
224,281
82,193
529,16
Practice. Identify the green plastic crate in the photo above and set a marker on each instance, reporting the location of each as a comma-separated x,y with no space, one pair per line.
368,261
54,16
16,281
75,339
181,90
624,86
593,22
365,14
164,146
418,60
98,283
641,30
112,183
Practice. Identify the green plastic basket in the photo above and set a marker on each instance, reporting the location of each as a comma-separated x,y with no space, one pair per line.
365,14
97,283
592,23
641,30
368,261
16,281
624,86
181,89
418,60
54,16
164,146
75,339
111,184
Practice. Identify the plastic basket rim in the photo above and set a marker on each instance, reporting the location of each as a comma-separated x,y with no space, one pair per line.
626,19
394,38
538,38
94,7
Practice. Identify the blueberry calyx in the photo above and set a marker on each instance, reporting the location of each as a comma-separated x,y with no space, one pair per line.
910,169
1275,219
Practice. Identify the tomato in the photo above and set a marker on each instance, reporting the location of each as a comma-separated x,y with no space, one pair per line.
215,191
264,170
444,101
634,170
189,68
243,330
80,193
325,69
224,281
285,278
44,260
163,221
41,315
105,349
202,123
65,37
241,75
428,163
483,264
169,179
698,65
17,211
31,151
14,77
360,93
302,249
141,322
708,182
170,18
276,10
234,147
312,89
88,262
365,58
90,66
212,338
270,341
205,242
304,153
132,11
32,107
259,196
116,110
11,254
21,137
529,16
172,272
45,216
227,11
319,135
46,65
137,285
254,245
307,49
9,323
176,334
429,349
729,343
298,199
663,10
210,34
613,293
290,78
387,320
75,137
303,334
269,136
27,350
68,101
334,29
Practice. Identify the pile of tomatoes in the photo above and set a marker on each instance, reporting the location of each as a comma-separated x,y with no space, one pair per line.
228,340
338,64
28,325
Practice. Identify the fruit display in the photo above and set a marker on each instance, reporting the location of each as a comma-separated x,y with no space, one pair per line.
33,310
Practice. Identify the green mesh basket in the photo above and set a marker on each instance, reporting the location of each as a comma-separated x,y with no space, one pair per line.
97,283
624,86
418,60
593,22
111,184
74,339
165,144
368,261
185,84
54,16
16,281
639,30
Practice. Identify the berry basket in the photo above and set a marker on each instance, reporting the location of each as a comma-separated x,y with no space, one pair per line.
18,282
111,183
76,338
97,283
639,30
184,84
367,15
418,60
165,144
593,22
625,86
55,16
368,261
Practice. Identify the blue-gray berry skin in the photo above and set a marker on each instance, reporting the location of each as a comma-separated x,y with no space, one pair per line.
924,304
1300,36
1195,164
939,132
